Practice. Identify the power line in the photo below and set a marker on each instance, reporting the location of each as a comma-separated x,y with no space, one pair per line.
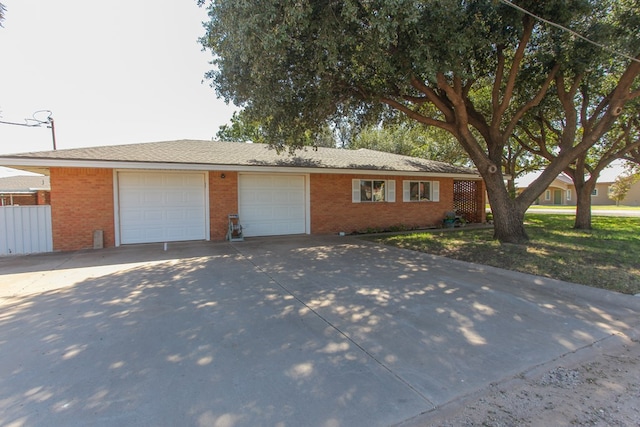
600,45
21,124
37,123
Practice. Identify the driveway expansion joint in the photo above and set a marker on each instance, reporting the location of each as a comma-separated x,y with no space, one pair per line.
337,329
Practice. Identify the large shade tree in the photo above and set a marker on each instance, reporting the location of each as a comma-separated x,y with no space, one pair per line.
475,69
542,136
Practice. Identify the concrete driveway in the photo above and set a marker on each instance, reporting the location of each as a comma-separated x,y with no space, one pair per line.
296,331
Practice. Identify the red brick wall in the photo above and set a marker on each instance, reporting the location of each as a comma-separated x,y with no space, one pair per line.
223,200
40,197
81,202
43,198
6,199
332,209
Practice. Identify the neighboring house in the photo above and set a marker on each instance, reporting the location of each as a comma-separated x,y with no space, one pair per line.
633,196
601,193
185,190
560,192
563,192
24,190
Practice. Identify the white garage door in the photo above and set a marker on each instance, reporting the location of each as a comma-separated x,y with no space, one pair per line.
162,206
272,204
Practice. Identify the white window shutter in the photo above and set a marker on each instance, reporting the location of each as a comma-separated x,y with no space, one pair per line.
435,191
355,190
406,191
391,190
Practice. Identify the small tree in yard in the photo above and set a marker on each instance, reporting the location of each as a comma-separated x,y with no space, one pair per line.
476,69
621,186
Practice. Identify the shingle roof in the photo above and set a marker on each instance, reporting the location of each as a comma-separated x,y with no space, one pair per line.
24,183
242,154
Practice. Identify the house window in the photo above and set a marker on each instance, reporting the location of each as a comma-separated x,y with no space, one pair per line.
372,190
568,194
420,191
594,192
547,195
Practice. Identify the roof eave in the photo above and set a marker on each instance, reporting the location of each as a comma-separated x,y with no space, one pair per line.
41,165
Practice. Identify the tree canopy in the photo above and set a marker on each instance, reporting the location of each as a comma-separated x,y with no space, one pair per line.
410,139
476,69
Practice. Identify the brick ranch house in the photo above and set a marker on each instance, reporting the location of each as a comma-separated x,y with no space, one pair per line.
185,190
24,190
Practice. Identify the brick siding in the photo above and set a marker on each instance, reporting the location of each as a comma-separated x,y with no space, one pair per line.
223,200
7,199
333,211
81,202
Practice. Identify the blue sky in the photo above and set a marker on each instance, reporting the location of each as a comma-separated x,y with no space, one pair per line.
117,72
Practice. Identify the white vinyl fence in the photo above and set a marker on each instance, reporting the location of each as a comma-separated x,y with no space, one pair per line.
25,230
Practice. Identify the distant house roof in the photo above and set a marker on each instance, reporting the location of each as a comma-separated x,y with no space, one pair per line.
227,156
607,176
24,184
526,180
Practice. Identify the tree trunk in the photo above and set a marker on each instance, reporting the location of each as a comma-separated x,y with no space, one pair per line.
509,227
508,215
583,208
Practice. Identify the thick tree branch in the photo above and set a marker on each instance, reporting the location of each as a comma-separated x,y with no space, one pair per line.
495,90
528,24
614,106
526,146
571,115
417,116
533,102
433,97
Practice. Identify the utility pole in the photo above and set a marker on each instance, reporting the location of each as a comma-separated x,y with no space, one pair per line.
53,132
38,122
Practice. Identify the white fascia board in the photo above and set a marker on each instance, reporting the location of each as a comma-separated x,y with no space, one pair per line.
106,164
17,192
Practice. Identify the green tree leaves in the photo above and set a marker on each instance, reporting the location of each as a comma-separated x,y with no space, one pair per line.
476,69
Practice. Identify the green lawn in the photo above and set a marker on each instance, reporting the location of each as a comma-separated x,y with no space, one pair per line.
532,208
606,257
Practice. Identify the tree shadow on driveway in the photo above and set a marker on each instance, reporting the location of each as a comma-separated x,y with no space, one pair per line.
324,332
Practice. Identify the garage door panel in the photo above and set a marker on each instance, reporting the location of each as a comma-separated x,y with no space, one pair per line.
152,216
150,196
160,207
272,204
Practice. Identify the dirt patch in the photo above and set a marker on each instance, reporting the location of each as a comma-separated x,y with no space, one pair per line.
595,387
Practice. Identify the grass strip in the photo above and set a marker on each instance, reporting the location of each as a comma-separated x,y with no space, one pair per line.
608,256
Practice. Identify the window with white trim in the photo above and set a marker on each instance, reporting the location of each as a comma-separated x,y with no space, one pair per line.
594,192
569,194
373,190
420,191
547,195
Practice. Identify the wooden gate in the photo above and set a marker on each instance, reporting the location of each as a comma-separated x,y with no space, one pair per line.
25,229
465,200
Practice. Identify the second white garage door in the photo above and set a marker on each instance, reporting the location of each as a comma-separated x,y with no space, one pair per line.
272,204
162,206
